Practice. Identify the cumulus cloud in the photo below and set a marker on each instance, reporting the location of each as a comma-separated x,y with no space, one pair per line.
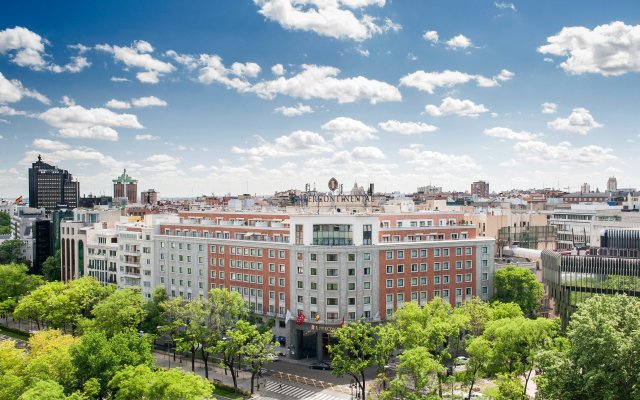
563,152
47,144
430,81
322,82
431,36
186,60
580,121
346,129
508,133
451,106
406,128
147,137
367,153
27,49
295,144
437,162
213,70
117,104
119,79
459,42
549,108
12,91
138,56
93,123
149,101
610,49
340,19
294,111
278,69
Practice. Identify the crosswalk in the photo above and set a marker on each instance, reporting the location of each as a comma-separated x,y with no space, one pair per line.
298,393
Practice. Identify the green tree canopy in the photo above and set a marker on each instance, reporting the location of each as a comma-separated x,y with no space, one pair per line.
599,361
518,285
11,252
51,267
353,352
121,311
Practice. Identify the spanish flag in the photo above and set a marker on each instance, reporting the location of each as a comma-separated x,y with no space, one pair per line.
19,200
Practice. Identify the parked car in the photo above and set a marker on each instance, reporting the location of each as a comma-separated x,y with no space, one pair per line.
462,360
474,395
273,357
323,365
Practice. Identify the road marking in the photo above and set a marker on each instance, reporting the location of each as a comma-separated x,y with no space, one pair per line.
298,393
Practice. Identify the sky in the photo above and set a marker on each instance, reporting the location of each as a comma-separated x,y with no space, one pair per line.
254,96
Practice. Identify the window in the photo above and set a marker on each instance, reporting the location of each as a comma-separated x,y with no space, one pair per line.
366,271
414,281
467,291
458,292
332,235
281,268
485,276
468,264
458,264
272,281
366,234
400,268
281,282
313,256
389,269
332,301
313,300
314,285
436,280
313,271
414,253
436,266
436,252
351,272
400,297
485,249
332,286
366,300
445,252
485,263
272,268
281,254
423,267
445,279
300,285
423,280
389,255
366,285
300,270
351,286
351,257
423,295
414,267
366,256
423,252
458,251
272,253
389,298
401,282
445,293
331,257
468,251
332,272
400,254
389,283
467,277
458,278
445,265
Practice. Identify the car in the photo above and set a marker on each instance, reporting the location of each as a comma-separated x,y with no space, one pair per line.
273,357
474,395
323,365
462,360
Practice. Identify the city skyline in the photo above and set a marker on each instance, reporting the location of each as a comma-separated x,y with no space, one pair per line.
266,95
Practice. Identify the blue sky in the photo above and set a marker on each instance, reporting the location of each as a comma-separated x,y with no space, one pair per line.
201,97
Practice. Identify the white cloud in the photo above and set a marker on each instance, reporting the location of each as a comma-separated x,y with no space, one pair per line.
12,91
333,18
5,110
295,144
147,137
94,123
367,153
579,121
186,60
430,81
250,69
563,153
436,162
321,82
362,51
47,144
149,101
119,79
505,6
164,164
137,55
407,128
610,49
117,104
27,49
68,101
459,42
507,133
294,111
213,70
278,69
431,36
346,129
549,108
451,106
79,47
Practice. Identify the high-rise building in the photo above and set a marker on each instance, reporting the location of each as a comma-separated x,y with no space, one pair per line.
51,188
585,188
480,189
125,186
612,184
149,197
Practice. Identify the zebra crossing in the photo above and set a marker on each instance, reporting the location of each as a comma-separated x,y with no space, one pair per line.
298,393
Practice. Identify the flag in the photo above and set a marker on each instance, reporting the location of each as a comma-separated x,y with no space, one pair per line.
19,200
301,318
342,323
287,317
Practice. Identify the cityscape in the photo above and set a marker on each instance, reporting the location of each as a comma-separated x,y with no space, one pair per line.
319,199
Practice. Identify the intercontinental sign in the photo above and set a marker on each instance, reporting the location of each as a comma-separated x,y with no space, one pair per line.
337,198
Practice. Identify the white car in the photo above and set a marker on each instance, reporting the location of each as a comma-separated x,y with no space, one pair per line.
474,395
273,357
462,360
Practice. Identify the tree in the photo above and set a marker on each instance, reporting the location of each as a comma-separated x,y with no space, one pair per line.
11,252
51,267
98,357
228,347
387,339
478,313
417,369
35,305
143,382
518,285
353,353
120,312
15,281
500,310
153,311
187,326
257,348
599,359
44,390
49,358
480,353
